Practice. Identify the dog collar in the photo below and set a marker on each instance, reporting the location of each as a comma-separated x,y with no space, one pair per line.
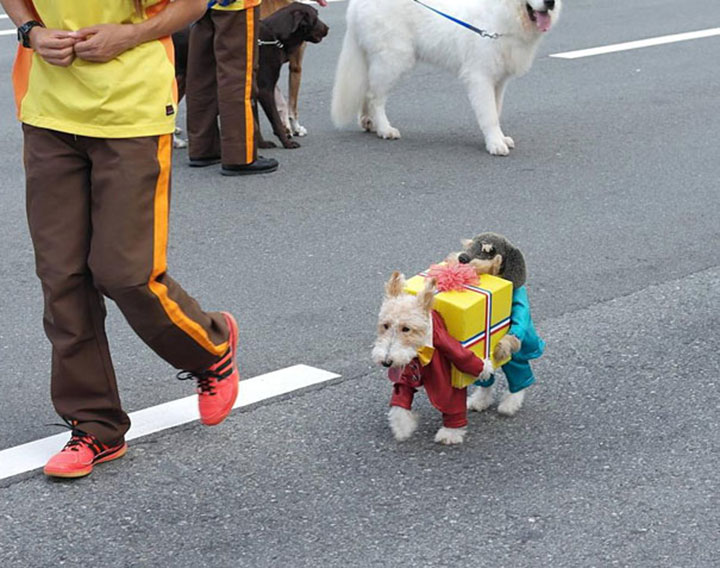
275,43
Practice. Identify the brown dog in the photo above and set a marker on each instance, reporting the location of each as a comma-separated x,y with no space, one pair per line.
282,34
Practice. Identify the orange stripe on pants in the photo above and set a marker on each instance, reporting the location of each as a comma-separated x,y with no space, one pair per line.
249,66
172,309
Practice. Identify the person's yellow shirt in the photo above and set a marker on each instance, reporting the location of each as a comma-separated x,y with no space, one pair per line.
129,96
238,5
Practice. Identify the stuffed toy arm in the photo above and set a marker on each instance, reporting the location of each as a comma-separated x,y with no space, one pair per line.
520,314
488,370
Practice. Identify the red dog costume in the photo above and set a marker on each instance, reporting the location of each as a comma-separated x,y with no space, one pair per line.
435,376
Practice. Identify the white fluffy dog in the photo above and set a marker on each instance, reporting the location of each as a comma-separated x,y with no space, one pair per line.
385,38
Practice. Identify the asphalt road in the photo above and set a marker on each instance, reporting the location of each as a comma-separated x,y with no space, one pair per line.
612,194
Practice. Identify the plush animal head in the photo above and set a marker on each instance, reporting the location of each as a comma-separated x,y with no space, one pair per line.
542,14
503,258
297,21
404,323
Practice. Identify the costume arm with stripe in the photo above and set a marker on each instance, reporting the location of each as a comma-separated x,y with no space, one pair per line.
104,42
465,360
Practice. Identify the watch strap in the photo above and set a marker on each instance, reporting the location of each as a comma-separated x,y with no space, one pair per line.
24,31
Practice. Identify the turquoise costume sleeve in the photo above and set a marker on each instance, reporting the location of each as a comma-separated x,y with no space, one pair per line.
520,315
522,327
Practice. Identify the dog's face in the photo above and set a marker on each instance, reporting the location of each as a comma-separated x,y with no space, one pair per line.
403,323
543,14
307,23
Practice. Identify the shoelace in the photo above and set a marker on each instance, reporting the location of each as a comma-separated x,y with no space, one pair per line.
80,438
203,379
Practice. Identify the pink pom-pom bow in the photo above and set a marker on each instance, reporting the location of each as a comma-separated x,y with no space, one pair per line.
453,276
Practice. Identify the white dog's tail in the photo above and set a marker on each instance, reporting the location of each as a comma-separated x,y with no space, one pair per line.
351,81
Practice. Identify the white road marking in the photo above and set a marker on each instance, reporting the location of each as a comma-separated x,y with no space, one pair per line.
626,46
8,32
33,455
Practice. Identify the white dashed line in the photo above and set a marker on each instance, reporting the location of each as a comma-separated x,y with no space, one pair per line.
33,455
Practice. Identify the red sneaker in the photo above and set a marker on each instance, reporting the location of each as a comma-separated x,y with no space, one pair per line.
80,454
217,387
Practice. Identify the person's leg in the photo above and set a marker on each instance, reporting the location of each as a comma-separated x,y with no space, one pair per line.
201,95
236,53
130,209
83,386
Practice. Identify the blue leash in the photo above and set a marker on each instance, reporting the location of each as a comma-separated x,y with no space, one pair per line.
481,33
220,2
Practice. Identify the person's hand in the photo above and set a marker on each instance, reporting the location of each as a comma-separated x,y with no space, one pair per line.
54,46
104,42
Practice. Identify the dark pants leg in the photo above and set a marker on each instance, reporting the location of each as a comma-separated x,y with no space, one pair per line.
98,216
221,83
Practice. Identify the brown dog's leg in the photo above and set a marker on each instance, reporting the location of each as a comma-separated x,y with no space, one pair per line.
296,60
267,100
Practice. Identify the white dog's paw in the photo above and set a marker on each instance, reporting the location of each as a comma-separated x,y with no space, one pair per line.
402,423
366,124
390,133
481,399
178,142
450,436
511,403
497,147
297,128
510,142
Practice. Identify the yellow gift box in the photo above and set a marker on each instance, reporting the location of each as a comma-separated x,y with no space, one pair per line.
472,315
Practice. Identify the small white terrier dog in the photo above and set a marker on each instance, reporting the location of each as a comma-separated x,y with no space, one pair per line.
407,325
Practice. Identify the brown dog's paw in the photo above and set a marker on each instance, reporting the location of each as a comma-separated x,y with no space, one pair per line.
265,144
506,347
291,144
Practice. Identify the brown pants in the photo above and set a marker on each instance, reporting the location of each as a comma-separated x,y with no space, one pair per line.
98,216
222,61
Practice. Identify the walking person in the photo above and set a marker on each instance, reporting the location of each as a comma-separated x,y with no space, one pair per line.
98,102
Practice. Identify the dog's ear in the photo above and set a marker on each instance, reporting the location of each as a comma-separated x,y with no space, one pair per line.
513,267
303,17
395,286
466,243
427,296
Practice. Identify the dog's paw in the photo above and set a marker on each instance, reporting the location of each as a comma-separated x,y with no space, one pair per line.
450,436
366,124
509,142
481,399
511,403
299,130
497,147
291,144
403,423
390,133
265,144
179,143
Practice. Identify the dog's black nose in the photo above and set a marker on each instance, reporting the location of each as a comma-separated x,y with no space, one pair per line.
464,258
387,363
550,4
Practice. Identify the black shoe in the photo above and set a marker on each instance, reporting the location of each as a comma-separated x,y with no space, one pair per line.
259,166
203,162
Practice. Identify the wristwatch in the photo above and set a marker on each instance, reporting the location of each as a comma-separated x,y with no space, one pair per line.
23,32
